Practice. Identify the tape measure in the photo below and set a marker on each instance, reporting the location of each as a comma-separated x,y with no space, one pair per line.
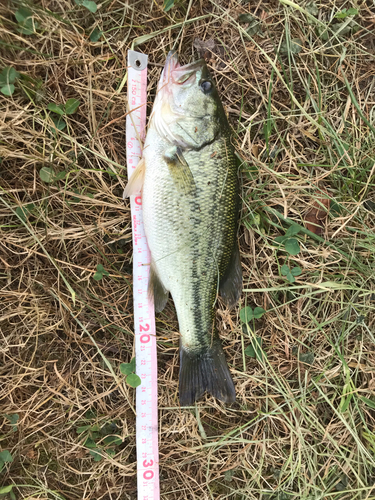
144,313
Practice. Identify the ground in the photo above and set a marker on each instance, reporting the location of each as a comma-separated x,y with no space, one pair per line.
297,83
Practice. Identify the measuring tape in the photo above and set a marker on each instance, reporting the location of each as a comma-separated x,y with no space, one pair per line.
144,314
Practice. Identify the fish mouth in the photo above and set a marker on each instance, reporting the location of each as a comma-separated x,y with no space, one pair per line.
165,111
173,72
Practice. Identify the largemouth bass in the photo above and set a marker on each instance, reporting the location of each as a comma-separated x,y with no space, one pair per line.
188,177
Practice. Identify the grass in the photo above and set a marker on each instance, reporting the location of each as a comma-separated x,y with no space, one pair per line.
297,84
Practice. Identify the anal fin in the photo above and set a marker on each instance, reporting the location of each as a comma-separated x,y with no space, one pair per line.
135,182
179,170
231,283
156,290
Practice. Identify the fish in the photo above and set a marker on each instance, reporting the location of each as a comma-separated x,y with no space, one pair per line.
188,176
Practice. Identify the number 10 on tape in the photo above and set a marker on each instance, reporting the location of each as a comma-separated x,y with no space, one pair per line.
144,315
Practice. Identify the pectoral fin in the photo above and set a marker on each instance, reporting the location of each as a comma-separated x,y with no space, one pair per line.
231,282
135,182
179,170
156,290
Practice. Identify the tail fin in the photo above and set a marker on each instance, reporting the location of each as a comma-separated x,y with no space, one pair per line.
205,371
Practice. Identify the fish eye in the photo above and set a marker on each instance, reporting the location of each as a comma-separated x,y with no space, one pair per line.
206,86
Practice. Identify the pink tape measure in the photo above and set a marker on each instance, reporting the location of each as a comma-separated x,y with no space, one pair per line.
144,314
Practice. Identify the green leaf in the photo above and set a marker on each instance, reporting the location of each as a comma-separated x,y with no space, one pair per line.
6,456
22,14
294,47
346,12
290,277
228,475
368,402
258,312
109,429
307,358
56,108
126,368
71,106
100,272
246,314
1,465
8,89
6,489
293,230
254,350
23,213
254,25
343,29
258,349
8,75
27,25
352,12
83,428
292,246
74,199
245,18
167,5
132,364
341,15
111,452
90,414
95,453
280,239
47,174
59,123
133,380
89,4
285,270
254,28
95,35
369,205
61,175
14,417
312,9
112,440
89,443
296,271
249,351
335,209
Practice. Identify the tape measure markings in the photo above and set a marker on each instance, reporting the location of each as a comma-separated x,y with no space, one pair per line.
144,314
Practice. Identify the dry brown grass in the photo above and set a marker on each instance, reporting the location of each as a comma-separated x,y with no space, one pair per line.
297,431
